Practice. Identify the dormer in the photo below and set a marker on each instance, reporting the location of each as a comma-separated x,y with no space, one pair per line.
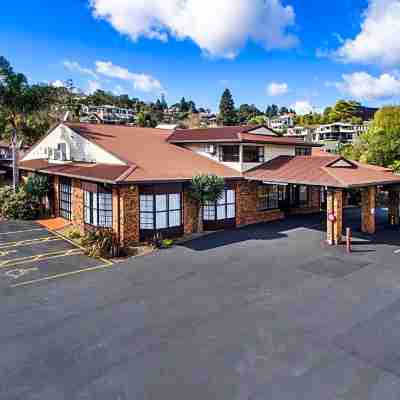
61,153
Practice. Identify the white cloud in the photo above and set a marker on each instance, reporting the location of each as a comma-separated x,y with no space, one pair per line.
364,86
57,83
302,107
277,89
118,90
220,28
93,86
142,82
379,39
75,66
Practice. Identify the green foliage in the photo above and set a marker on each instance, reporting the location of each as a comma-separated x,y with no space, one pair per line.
38,186
227,112
19,205
258,120
206,188
380,145
73,234
167,243
21,104
272,111
101,243
396,167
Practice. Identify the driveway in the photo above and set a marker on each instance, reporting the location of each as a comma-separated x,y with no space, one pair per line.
265,312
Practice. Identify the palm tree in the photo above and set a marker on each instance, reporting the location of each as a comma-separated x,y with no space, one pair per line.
205,189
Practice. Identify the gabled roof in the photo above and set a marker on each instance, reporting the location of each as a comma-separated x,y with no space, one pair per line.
147,154
235,134
333,171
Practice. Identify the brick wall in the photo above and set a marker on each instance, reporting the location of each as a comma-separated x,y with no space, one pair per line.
335,207
129,213
246,206
368,205
77,204
55,197
190,214
394,203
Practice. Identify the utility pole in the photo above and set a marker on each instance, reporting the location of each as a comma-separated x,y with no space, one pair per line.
15,153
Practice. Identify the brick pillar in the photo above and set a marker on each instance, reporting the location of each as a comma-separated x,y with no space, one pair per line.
56,196
190,214
335,209
77,204
368,204
129,213
394,204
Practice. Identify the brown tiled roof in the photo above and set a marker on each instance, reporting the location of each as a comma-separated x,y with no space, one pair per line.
150,153
321,171
97,172
240,134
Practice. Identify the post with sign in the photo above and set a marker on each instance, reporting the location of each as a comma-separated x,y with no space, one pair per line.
14,147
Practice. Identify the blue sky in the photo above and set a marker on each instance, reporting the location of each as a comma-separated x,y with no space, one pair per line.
313,53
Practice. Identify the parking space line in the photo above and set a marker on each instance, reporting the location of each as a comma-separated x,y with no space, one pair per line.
39,257
397,251
109,264
28,242
25,230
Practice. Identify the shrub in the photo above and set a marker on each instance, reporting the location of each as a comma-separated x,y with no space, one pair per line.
73,234
38,186
18,205
167,243
101,243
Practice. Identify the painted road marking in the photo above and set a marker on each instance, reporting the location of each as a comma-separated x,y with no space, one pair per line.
109,264
4,253
26,230
17,273
397,251
39,257
28,242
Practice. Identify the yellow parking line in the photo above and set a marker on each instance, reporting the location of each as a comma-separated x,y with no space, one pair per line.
39,257
48,278
28,242
25,230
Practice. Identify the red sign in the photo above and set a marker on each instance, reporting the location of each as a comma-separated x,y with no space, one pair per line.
332,217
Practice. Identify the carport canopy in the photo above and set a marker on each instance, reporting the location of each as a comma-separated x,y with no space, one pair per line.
335,173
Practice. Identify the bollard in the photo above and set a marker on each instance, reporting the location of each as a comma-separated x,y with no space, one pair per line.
348,240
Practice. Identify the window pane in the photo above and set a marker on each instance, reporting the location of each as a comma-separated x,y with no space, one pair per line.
95,221
161,202
146,202
174,218
221,213
222,200
230,211
230,153
161,220
230,196
174,201
209,212
146,220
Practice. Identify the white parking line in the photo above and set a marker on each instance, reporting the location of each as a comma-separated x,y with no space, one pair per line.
397,251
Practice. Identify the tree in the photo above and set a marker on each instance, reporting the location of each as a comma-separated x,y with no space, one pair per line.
380,145
246,112
205,189
283,110
258,120
227,112
163,102
22,103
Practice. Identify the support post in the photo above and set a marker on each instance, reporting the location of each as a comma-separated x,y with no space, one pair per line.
394,207
368,209
335,217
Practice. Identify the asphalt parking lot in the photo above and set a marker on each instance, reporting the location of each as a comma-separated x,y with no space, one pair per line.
267,312
29,254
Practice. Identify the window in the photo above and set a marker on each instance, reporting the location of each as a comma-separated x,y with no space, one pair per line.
303,196
160,211
224,208
98,207
253,154
65,198
229,154
268,197
303,151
